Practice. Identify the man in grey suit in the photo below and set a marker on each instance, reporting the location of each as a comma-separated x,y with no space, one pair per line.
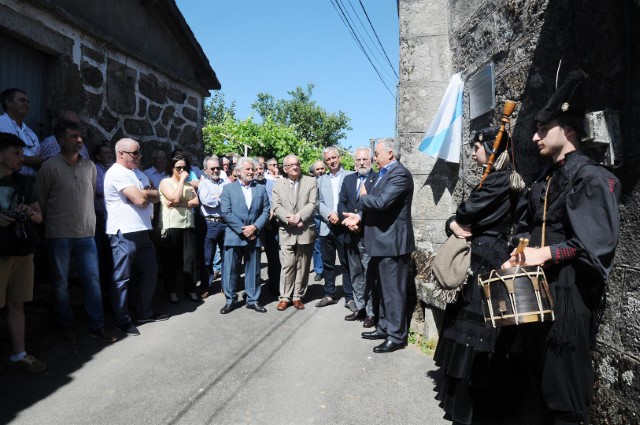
245,210
331,232
388,239
294,204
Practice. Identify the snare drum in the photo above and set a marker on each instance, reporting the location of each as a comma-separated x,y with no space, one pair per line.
515,296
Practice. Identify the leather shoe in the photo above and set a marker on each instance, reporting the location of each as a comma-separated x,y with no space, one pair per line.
298,304
282,305
358,315
387,347
317,277
374,335
256,307
369,322
228,308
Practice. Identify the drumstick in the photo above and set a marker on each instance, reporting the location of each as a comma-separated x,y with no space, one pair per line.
520,246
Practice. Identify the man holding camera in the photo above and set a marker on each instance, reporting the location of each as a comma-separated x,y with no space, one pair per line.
18,210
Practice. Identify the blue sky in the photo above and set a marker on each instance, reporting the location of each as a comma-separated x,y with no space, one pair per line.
275,46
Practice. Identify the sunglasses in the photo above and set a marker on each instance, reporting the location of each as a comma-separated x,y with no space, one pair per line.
134,153
180,167
214,168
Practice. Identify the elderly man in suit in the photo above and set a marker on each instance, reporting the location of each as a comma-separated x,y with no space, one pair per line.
331,238
245,210
294,204
349,201
388,239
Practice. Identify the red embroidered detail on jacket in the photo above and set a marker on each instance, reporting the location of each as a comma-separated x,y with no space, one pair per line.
564,254
612,185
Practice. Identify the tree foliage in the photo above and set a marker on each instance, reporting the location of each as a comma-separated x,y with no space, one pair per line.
297,125
312,122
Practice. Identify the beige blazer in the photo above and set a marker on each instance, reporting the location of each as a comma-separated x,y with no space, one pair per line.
284,203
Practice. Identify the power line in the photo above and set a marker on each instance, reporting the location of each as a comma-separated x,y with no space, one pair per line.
378,38
345,21
367,32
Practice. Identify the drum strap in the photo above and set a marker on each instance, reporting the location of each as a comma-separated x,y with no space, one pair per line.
544,212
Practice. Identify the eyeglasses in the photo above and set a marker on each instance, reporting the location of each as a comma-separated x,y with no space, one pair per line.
295,164
134,153
214,168
180,167
362,159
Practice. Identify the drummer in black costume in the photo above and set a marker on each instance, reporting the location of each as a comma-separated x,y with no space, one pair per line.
468,352
577,251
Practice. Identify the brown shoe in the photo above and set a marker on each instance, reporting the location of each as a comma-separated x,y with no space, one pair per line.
282,305
298,304
103,334
204,295
369,322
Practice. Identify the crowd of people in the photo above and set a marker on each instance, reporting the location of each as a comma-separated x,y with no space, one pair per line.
124,227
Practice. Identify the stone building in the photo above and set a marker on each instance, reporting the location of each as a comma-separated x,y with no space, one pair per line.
130,68
524,40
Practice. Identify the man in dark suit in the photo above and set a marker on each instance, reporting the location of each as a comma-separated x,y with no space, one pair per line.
388,239
357,257
245,210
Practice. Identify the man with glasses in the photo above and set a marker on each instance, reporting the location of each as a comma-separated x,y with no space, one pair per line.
209,193
15,104
272,172
129,199
294,204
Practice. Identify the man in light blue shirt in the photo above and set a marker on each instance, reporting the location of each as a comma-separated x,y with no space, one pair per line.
15,104
209,193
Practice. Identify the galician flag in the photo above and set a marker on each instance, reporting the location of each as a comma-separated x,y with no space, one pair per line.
444,137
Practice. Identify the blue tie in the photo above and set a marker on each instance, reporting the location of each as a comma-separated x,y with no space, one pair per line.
360,183
381,173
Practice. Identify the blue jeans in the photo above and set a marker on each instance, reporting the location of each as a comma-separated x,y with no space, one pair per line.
85,254
317,252
213,246
134,256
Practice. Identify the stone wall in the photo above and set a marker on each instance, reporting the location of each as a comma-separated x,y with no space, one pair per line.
116,95
525,40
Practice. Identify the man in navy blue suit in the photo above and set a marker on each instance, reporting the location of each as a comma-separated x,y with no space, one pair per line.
357,257
245,210
389,240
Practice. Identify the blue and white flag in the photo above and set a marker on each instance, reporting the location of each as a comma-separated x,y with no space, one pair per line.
444,137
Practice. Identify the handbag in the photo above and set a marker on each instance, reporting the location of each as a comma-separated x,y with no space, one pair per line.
451,263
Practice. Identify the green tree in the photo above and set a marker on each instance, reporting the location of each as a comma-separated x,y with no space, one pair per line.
297,126
312,122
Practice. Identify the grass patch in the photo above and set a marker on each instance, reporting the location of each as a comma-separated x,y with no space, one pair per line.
427,346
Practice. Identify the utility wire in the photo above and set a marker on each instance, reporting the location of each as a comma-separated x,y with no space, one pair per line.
375,45
378,38
355,33
341,14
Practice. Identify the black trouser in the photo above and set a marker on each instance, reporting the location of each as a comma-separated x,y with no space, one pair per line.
329,244
179,244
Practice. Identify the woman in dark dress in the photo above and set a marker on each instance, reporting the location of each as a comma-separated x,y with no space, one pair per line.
472,356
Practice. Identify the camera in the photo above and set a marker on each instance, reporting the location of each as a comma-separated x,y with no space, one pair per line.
20,220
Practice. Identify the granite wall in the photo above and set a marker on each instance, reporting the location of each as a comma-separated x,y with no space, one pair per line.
525,40
117,95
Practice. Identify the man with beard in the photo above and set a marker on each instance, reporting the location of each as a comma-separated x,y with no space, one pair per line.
349,201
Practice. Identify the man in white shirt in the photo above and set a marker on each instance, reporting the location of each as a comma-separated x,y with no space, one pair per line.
331,231
129,200
15,104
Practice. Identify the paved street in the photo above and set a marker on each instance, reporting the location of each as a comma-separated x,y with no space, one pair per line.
200,367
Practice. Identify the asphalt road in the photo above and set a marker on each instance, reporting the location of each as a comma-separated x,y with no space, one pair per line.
200,367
